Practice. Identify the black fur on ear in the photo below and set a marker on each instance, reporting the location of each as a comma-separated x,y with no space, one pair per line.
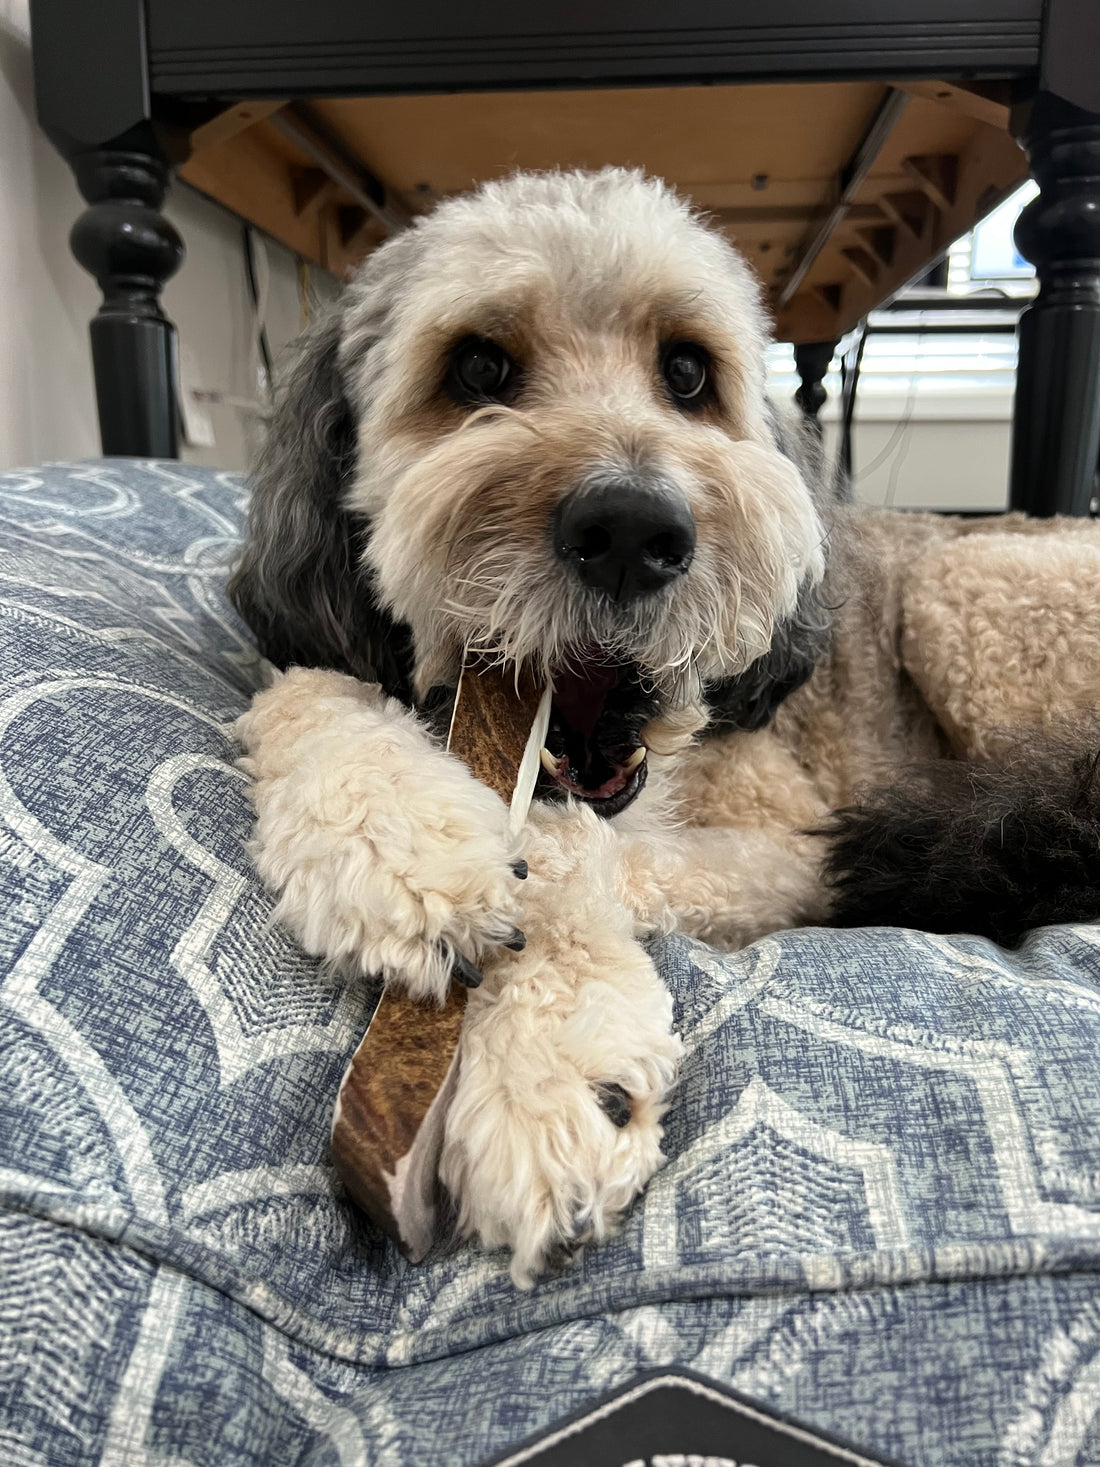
749,700
299,582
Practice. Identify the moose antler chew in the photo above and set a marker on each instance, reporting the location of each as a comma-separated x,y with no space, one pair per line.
387,1129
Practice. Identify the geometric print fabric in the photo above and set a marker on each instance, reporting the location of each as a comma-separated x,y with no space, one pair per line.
880,1212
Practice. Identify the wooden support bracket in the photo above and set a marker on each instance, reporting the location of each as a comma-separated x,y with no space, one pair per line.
357,229
829,295
232,121
937,175
863,263
986,102
911,209
313,191
881,242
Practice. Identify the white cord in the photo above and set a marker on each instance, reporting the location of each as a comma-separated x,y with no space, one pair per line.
261,273
895,441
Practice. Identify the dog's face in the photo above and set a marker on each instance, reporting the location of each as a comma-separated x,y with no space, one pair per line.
560,454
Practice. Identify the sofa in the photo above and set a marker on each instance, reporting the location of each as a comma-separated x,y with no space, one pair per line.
880,1211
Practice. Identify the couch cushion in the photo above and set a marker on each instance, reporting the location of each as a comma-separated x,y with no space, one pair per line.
881,1208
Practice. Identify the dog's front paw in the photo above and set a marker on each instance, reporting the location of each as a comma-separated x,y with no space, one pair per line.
555,1126
386,854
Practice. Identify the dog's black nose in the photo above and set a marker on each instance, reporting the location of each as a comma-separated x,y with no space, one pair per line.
628,537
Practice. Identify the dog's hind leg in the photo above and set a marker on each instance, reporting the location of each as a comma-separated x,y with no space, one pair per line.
567,1055
387,855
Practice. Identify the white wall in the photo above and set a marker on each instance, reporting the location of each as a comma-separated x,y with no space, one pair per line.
47,397
957,458
933,421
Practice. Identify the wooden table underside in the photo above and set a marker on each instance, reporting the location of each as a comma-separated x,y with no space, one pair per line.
842,143
769,162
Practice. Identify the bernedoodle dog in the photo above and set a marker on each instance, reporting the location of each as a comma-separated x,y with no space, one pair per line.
536,425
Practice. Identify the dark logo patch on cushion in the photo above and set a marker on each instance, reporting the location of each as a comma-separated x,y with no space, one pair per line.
676,1418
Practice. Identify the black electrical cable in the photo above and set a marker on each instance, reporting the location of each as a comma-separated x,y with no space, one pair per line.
849,376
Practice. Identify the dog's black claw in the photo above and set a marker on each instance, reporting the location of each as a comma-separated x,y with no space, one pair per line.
520,870
465,972
517,942
615,1103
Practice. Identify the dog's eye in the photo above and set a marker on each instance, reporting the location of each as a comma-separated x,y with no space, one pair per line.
481,369
684,368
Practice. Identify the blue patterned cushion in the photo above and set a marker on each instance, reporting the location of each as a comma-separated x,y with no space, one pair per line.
881,1211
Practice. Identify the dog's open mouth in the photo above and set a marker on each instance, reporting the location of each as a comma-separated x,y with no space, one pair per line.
593,748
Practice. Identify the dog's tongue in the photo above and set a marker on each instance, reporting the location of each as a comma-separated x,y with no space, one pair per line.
580,693
592,757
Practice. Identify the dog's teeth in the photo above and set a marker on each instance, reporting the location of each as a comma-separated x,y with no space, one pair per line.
549,763
635,759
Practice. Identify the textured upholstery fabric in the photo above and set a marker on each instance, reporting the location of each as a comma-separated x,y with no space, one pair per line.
881,1210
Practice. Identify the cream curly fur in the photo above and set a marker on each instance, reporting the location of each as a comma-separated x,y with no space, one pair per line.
534,1163
387,856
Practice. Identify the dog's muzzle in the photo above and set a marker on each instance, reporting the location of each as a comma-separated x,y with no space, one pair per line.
626,536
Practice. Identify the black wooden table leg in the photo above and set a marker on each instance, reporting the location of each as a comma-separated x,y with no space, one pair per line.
95,102
1056,431
811,361
124,240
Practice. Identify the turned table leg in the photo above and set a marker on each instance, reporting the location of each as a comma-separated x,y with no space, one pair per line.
811,361
95,102
124,240
1056,430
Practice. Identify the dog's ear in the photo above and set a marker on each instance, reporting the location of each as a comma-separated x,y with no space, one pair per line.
299,582
749,701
